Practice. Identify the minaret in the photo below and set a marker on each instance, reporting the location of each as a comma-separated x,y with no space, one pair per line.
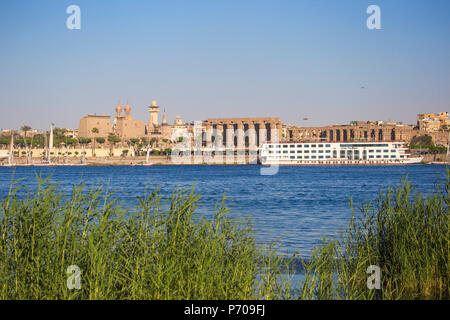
128,111
154,111
118,110
164,120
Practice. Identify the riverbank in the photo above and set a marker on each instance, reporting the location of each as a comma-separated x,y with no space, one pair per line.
167,160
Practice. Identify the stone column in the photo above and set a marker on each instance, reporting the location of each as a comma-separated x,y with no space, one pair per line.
251,136
272,129
208,135
262,133
219,136
240,136
279,133
230,137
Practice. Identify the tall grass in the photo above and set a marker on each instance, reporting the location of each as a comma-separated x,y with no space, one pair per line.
406,235
159,249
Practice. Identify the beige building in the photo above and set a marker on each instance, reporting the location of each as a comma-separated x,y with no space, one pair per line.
88,123
125,127
432,122
241,133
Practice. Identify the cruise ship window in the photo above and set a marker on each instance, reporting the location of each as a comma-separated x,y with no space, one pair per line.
320,145
320,157
392,150
306,145
292,157
386,156
292,146
313,157
299,146
378,151
328,151
299,151
306,151
370,151
285,151
299,157
320,151
378,157
285,145
313,151
385,150
292,151
306,157
393,156
313,146
371,157
328,145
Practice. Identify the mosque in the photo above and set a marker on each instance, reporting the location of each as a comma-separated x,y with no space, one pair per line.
125,127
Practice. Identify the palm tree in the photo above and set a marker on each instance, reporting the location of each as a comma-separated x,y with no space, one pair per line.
94,131
25,129
112,139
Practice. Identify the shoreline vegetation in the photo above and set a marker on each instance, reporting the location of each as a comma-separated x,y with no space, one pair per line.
161,160
161,249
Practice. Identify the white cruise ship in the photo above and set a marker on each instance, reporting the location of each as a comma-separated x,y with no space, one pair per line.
340,153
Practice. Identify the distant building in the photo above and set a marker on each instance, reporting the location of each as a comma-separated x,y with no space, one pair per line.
125,127
432,122
88,123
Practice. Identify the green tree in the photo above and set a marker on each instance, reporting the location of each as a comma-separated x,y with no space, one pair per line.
85,140
112,139
422,141
25,129
94,131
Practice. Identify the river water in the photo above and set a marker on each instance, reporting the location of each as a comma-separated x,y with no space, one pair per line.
295,207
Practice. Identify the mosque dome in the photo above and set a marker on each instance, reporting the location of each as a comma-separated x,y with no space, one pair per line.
127,109
119,108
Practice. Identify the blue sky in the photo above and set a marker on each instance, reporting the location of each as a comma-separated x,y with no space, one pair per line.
205,59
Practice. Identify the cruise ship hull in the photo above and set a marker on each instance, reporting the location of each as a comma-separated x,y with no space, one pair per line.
337,153
342,163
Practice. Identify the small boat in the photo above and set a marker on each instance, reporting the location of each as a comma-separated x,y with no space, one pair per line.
146,163
9,165
71,164
47,160
11,153
44,164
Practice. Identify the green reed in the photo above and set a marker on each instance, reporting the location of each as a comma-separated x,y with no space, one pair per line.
405,234
160,249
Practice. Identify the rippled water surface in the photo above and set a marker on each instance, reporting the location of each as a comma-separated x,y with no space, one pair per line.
297,206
